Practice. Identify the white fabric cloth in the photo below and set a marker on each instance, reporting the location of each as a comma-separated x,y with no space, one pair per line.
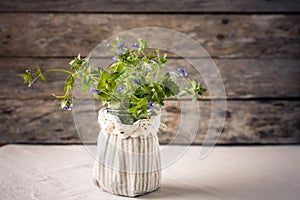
112,124
128,156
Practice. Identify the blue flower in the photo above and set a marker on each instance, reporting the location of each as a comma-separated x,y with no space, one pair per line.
135,45
138,82
70,107
151,105
114,59
94,91
182,72
122,88
121,46
65,107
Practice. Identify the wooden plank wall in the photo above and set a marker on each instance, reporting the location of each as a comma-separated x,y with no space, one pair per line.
255,45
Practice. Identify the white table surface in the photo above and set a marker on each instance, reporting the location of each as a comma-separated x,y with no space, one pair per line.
65,172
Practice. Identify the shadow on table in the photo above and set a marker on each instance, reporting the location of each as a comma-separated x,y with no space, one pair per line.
183,192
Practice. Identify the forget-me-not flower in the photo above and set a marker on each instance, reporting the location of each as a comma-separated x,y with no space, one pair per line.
138,82
68,108
122,88
122,46
114,59
182,72
94,91
135,45
151,105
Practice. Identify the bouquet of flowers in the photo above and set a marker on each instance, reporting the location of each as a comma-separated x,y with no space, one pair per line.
133,82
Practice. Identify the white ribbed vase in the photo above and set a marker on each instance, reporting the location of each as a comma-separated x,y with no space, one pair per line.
128,158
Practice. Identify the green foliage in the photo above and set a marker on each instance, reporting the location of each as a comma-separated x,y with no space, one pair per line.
77,62
69,84
168,81
196,89
40,73
28,77
133,82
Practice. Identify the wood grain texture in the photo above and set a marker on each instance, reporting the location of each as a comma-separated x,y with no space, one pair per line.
162,6
250,122
256,46
243,78
36,35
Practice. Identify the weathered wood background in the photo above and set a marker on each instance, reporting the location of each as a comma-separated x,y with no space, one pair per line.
255,44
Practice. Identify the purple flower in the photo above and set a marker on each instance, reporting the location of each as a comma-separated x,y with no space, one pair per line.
94,91
68,108
151,105
114,59
135,45
121,46
122,88
138,82
182,72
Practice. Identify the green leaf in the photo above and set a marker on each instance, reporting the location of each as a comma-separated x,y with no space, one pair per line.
170,87
77,62
27,77
42,77
39,71
193,83
139,109
103,79
200,90
159,94
59,97
69,83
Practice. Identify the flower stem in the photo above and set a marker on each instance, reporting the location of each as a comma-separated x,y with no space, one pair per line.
59,70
